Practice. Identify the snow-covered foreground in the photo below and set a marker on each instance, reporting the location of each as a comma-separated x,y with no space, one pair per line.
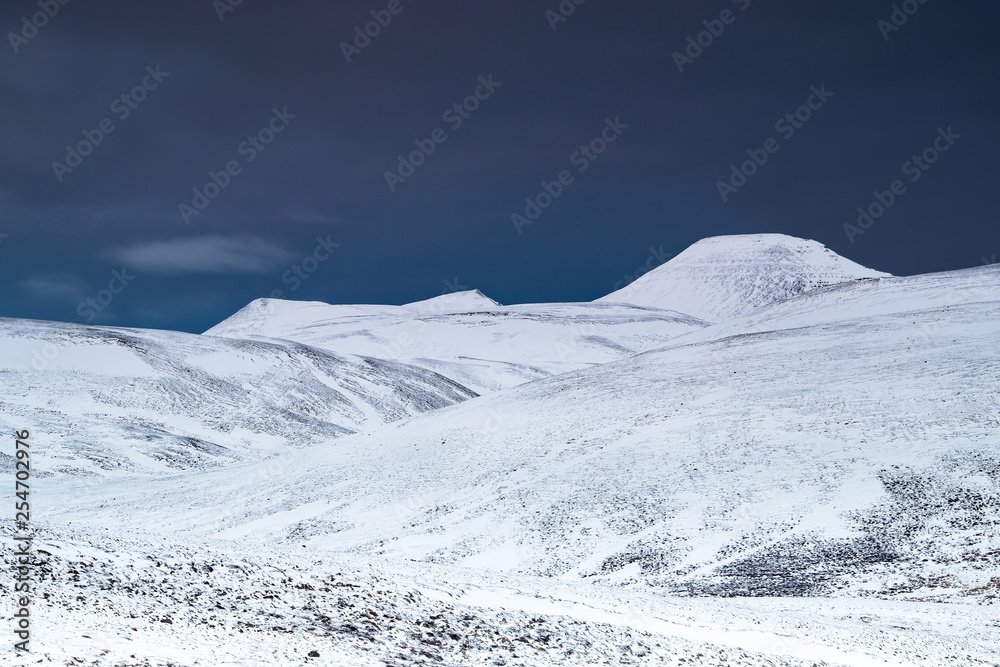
812,482
113,600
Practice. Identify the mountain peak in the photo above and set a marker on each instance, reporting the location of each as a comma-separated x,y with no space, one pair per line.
454,302
721,277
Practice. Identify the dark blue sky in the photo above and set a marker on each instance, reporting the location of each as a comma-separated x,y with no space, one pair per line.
212,84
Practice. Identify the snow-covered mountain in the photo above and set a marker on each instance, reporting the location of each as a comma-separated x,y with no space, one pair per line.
287,486
468,301
723,276
854,455
467,336
486,346
121,401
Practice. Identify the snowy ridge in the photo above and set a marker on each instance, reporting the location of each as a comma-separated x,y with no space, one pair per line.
466,336
117,401
724,276
455,302
856,300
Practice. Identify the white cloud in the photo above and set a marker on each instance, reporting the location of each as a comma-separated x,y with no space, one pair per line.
204,254
66,286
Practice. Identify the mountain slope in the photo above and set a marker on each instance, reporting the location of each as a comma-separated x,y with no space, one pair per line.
117,401
852,455
467,336
724,276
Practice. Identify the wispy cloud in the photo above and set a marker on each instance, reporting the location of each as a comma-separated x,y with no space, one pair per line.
204,254
49,286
